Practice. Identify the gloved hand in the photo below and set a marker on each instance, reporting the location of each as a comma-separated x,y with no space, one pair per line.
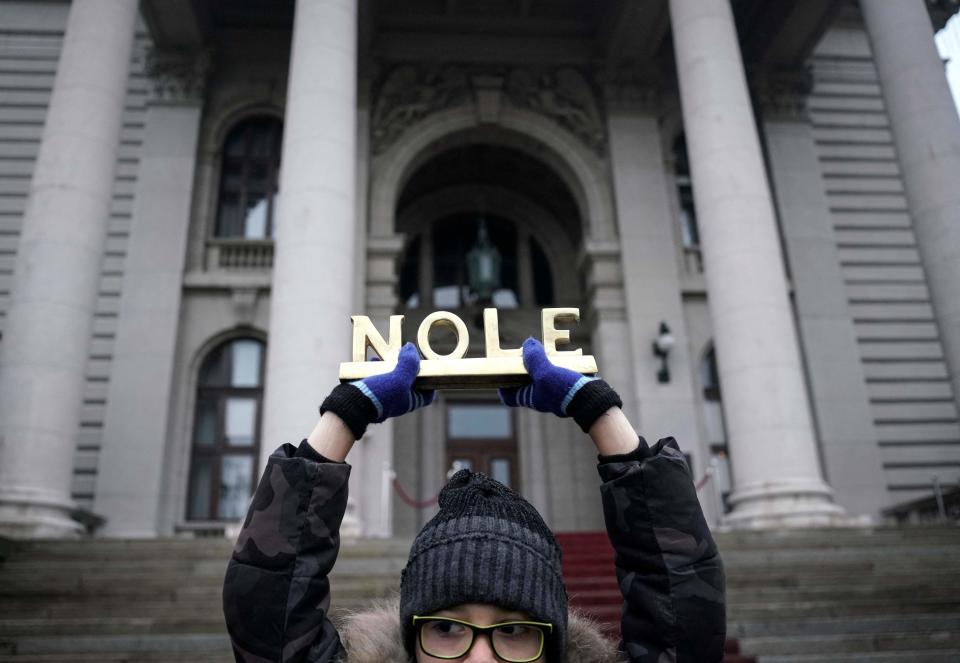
377,398
559,390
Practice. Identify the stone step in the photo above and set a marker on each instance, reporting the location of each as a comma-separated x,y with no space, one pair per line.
173,645
863,643
907,555
121,657
786,611
172,622
924,622
910,656
125,585
837,536
210,621
159,608
139,549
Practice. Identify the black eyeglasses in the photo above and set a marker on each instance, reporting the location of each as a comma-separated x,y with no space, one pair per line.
515,641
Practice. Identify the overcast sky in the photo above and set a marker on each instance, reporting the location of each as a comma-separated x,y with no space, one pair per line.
948,41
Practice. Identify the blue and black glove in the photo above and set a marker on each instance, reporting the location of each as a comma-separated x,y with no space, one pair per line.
376,399
559,390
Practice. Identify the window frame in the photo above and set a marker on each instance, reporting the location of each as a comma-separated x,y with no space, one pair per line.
273,163
220,448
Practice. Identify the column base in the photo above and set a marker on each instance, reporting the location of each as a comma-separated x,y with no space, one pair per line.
25,515
351,528
785,505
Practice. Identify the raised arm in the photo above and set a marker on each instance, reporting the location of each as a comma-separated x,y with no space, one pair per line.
667,563
276,594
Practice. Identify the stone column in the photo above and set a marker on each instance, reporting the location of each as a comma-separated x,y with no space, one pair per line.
130,481
926,131
777,477
312,293
44,351
838,391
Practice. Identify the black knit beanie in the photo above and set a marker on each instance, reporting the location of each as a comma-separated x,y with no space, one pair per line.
485,545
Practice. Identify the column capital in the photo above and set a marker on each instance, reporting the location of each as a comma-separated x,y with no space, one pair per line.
782,94
626,87
177,76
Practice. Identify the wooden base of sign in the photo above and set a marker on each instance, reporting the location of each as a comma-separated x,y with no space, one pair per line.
473,373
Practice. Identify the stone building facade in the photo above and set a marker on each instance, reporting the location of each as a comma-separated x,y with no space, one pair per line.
195,200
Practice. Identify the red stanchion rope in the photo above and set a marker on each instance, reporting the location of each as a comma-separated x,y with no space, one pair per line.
703,480
412,501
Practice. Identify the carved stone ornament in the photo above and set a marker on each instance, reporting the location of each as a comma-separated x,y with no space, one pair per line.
177,76
563,95
410,93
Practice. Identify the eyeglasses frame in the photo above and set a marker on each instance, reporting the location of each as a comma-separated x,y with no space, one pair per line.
476,628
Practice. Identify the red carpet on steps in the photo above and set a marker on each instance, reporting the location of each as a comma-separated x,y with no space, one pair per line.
592,584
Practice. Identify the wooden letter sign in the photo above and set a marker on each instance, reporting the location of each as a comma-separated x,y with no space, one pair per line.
501,367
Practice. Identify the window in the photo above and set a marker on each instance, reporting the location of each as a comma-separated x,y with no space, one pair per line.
716,427
410,276
689,232
226,428
248,180
542,278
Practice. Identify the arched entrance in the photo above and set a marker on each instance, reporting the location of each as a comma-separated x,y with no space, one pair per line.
544,196
533,222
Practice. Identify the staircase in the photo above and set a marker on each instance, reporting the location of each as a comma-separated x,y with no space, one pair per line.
592,584
114,601
884,595
880,595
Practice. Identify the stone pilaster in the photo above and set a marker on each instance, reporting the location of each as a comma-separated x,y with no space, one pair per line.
130,482
838,390
44,351
649,254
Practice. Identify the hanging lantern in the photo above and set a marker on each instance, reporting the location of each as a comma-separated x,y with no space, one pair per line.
483,265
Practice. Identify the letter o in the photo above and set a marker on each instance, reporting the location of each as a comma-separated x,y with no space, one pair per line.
446,319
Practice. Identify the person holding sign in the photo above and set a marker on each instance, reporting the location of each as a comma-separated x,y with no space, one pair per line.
483,580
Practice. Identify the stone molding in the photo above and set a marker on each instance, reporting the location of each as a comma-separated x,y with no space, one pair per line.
410,93
782,95
628,87
177,76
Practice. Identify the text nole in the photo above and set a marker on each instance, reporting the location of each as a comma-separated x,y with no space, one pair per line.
500,367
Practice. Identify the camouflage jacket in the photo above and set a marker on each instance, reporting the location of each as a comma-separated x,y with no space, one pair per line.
276,594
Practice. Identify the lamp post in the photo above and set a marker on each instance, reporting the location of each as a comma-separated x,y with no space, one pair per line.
661,348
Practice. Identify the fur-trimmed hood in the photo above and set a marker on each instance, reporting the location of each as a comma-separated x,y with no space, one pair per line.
373,636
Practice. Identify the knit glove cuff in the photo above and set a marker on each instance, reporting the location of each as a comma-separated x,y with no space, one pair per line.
349,403
591,401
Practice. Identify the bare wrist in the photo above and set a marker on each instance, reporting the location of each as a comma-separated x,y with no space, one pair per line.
613,434
331,437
